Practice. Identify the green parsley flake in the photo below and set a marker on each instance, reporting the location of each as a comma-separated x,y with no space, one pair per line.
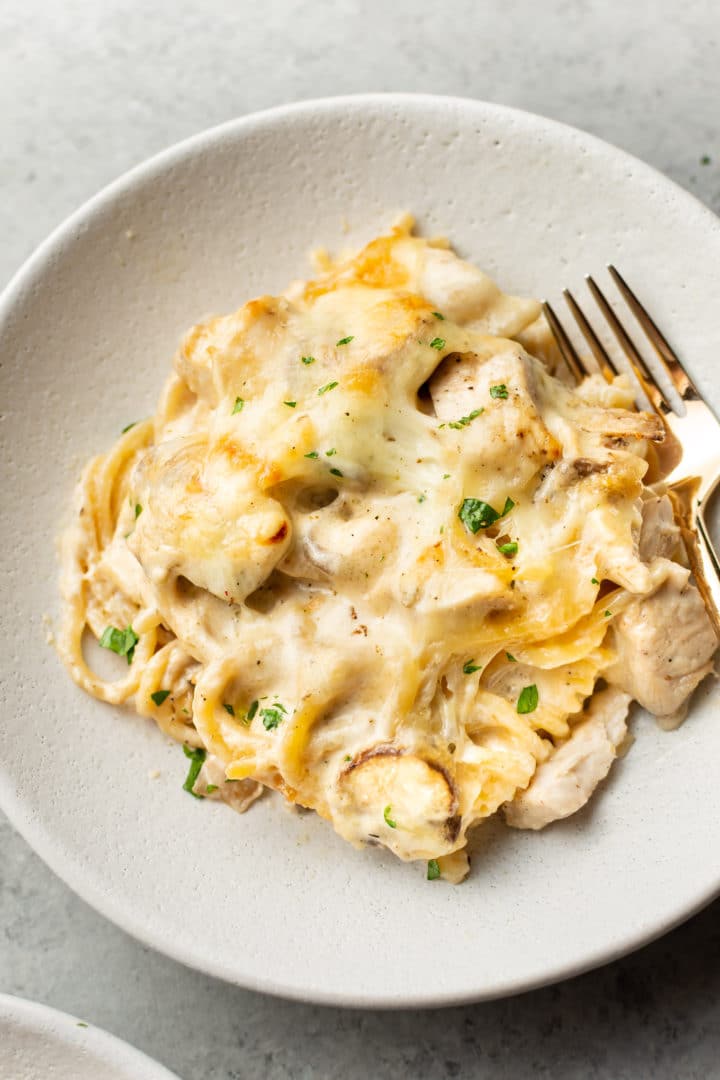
159,696
705,159
594,581
238,406
476,514
81,1023
210,788
336,472
499,391
290,404
422,498
437,343
388,819
608,614
345,340
229,708
251,712
328,386
465,420
331,453
128,426
439,316
511,658
138,510
122,642
508,549
528,700
446,476
433,870
197,756
308,359
273,716
348,757
470,666
312,454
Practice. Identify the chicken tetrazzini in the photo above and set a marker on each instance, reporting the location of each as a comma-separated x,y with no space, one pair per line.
372,553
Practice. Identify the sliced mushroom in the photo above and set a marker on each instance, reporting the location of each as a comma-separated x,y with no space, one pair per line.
404,800
213,784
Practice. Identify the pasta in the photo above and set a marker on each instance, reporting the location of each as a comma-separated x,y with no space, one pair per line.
373,552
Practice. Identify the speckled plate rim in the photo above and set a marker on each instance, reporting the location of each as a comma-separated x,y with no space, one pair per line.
61,1029
40,840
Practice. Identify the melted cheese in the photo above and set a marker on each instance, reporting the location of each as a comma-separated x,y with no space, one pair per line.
293,528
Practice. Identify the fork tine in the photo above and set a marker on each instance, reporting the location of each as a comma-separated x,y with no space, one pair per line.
639,368
570,356
664,352
605,364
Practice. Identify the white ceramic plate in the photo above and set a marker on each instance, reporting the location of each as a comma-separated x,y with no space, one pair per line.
271,900
37,1042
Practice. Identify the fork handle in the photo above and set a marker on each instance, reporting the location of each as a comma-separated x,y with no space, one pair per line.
701,555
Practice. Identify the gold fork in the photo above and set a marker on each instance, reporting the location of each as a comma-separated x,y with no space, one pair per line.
691,458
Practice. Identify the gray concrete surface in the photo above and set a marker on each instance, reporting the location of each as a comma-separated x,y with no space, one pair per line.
89,89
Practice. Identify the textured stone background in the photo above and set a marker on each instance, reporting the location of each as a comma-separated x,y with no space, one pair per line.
90,89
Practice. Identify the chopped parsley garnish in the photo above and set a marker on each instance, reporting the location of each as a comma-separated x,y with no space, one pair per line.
594,581
331,453
608,614
290,404
422,498
439,316
138,510
433,870
437,343
122,642
128,426
238,406
308,359
348,757
528,700
499,391
705,159
328,386
476,514
388,819
465,420
81,1023
229,708
511,658
336,472
508,549
197,755
159,696
446,476
273,715
345,340
312,454
251,712
470,666
210,788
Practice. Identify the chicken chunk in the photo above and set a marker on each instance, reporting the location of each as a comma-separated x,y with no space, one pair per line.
469,297
665,644
565,782
503,386
659,535
199,517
